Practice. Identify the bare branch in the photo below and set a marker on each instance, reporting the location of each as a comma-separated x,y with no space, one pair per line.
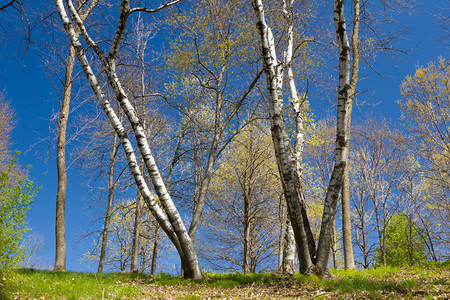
148,10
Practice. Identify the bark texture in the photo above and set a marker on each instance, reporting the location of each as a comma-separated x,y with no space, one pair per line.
287,159
288,264
60,225
168,217
283,149
346,93
349,262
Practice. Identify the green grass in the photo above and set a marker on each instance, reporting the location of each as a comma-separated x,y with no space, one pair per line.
71,285
387,282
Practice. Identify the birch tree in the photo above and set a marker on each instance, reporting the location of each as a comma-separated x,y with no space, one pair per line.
283,150
167,215
310,261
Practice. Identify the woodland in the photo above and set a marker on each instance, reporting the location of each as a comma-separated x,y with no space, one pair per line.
195,127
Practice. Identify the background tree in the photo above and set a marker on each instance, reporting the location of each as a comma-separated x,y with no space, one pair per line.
242,220
15,200
404,243
16,194
378,161
7,123
425,107
120,239
213,88
60,227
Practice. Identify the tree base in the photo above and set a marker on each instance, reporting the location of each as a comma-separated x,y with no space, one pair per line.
59,269
322,273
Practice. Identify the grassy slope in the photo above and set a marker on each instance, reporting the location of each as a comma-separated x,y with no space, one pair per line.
381,283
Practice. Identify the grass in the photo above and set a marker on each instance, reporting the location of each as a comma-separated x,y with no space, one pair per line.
380,283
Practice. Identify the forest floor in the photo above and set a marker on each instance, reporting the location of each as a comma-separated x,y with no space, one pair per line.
378,283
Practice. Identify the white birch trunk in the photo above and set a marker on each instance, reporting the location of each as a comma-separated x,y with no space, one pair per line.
346,93
282,146
288,265
170,221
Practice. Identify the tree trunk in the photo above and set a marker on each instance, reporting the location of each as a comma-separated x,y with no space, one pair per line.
136,234
60,225
282,212
112,162
60,228
334,247
365,246
155,250
169,219
246,257
282,146
346,93
349,261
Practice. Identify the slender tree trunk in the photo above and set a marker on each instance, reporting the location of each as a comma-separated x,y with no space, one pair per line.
282,212
246,258
143,255
334,247
298,117
60,228
155,250
349,261
365,246
136,234
112,162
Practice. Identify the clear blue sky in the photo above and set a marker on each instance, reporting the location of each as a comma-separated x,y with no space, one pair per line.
26,85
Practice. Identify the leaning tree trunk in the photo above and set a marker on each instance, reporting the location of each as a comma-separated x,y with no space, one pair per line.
112,163
169,218
60,227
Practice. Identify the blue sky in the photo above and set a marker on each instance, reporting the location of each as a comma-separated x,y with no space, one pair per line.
28,89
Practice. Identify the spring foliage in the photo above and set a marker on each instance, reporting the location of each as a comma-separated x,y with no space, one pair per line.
16,196
404,244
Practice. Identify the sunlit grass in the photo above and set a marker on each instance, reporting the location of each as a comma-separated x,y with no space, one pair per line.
72,285
387,282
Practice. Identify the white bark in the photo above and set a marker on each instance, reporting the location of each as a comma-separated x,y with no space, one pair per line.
282,146
346,93
288,265
170,221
